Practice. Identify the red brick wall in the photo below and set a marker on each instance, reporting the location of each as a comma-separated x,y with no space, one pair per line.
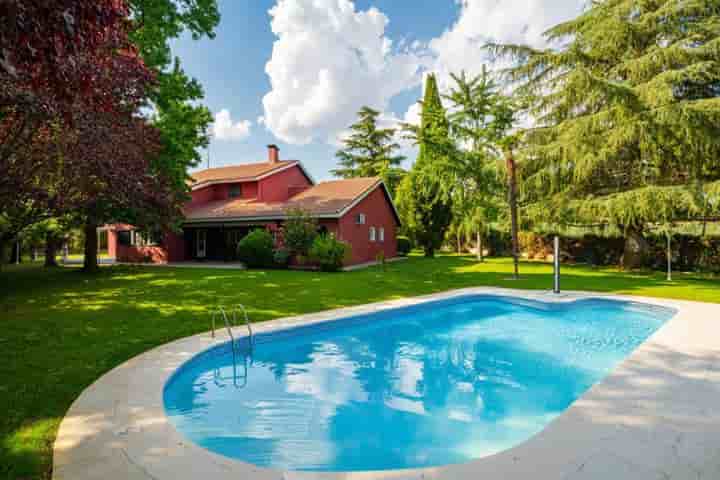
277,188
203,195
378,213
222,192
250,190
175,246
172,248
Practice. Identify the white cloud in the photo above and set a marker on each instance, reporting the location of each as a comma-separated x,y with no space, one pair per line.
460,47
224,129
506,21
328,61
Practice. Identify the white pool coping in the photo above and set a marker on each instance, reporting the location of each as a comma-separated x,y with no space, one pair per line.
656,416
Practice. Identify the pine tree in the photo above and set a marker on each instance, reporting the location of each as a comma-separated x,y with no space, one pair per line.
479,121
369,151
476,117
627,117
424,195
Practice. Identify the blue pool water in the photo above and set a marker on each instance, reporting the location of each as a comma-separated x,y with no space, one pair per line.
433,384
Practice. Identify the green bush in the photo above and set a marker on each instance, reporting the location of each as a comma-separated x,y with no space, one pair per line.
329,253
255,250
299,232
404,245
282,257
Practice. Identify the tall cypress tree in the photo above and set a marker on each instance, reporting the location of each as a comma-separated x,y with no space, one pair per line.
369,151
424,195
627,110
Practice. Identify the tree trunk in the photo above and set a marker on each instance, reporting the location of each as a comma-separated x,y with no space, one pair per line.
91,247
429,251
2,251
512,200
51,246
459,242
636,249
16,256
479,247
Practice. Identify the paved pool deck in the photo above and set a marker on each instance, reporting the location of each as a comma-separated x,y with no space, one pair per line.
656,416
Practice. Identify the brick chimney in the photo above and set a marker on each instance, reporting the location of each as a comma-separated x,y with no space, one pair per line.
273,154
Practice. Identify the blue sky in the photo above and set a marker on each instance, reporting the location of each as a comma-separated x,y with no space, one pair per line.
327,58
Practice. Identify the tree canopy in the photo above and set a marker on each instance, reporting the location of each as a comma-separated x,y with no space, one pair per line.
175,99
626,111
480,117
369,151
424,195
97,119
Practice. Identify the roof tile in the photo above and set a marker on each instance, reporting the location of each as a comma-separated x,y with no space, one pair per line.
324,199
245,172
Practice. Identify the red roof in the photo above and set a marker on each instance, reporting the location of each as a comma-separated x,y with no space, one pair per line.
238,173
327,199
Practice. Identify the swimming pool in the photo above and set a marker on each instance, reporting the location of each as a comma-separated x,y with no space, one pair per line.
433,384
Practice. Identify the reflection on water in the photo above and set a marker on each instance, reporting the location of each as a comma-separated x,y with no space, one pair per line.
238,370
443,384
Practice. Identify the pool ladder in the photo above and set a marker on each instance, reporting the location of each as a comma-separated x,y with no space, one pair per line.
221,312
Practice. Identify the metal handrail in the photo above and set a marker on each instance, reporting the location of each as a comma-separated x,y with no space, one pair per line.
251,338
219,380
228,325
221,311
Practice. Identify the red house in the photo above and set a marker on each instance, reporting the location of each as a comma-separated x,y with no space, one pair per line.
228,202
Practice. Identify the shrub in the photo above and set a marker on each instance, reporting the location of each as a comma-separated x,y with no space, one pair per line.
282,257
255,250
404,245
329,253
299,232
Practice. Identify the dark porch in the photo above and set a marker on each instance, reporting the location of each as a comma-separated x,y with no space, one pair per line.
215,243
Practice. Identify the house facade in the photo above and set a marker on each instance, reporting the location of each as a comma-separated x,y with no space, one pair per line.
228,202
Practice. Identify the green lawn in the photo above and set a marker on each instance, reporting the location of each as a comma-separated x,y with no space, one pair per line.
62,329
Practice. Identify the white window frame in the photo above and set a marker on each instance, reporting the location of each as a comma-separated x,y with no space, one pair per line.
137,239
360,219
381,234
373,235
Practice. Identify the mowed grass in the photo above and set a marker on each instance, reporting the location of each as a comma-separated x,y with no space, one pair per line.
62,329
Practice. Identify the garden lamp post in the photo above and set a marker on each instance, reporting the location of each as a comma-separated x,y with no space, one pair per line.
556,264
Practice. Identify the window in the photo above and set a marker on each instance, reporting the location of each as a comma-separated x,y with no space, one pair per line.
138,239
235,191
124,237
135,238
382,234
372,234
360,219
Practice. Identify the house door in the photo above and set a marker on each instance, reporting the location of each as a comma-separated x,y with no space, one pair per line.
201,243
